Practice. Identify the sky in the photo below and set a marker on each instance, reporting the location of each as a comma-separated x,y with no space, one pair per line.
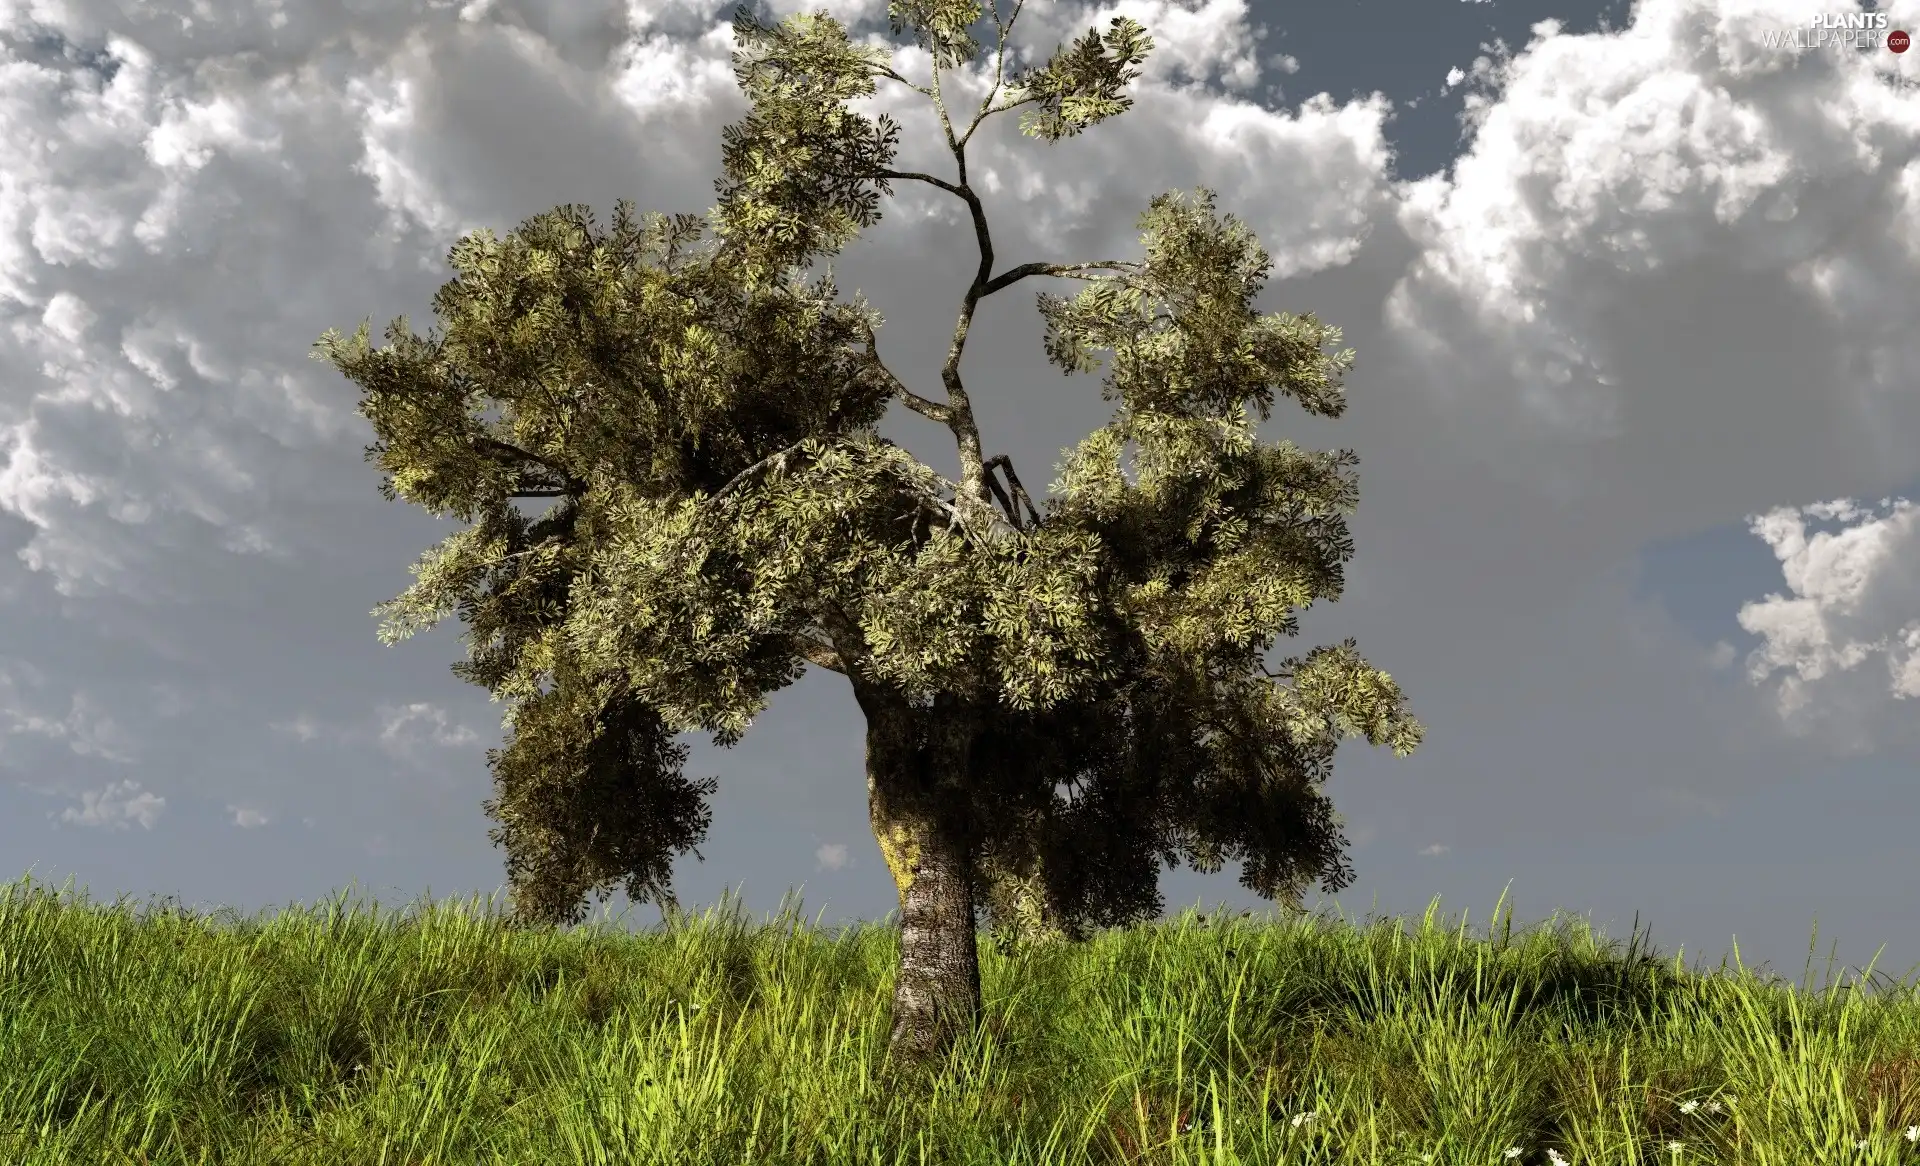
1637,405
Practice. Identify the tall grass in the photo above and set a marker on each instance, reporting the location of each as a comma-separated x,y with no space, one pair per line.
442,1035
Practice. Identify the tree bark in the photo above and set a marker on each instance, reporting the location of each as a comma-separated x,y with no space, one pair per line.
917,765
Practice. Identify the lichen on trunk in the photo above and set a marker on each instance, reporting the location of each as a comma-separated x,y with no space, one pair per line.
917,765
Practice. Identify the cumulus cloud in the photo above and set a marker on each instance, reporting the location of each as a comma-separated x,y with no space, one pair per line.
160,416
1654,224
832,856
1661,287
1841,647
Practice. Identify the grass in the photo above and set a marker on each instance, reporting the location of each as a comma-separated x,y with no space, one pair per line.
440,1035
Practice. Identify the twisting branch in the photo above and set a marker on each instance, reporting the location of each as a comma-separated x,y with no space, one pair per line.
977,488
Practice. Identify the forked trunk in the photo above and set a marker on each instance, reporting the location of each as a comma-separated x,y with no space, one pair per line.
917,763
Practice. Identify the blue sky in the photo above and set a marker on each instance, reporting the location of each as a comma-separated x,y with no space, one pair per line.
1632,296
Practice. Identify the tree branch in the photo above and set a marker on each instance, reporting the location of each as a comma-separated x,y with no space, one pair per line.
1064,270
976,486
1000,495
779,456
503,451
1003,462
815,652
916,176
889,74
1003,31
932,410
850,647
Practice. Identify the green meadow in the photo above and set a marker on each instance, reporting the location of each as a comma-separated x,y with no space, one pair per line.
345,1036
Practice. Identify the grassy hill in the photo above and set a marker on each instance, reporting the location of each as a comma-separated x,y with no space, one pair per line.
342,1036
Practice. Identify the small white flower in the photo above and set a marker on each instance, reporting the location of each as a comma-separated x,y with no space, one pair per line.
1913,1133
1513,1152
1689,1106
1300,1117
1554,1157
1675,1147
1713,1107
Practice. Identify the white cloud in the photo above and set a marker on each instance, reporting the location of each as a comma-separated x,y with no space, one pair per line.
116,807
1202,40
1434,850
832,856
1654,224
1841,646
83,725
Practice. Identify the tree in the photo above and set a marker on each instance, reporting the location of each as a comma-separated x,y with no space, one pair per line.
1059,697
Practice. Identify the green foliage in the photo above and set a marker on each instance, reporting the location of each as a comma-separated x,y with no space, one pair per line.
590,794
799,168
1080,87
942,27
698,419
1185,336
598,370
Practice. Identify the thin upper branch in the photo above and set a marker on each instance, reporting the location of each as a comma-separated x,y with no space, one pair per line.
1003,31
976,486
916,176
889,74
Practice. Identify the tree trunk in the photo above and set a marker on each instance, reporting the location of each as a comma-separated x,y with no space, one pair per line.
917,765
